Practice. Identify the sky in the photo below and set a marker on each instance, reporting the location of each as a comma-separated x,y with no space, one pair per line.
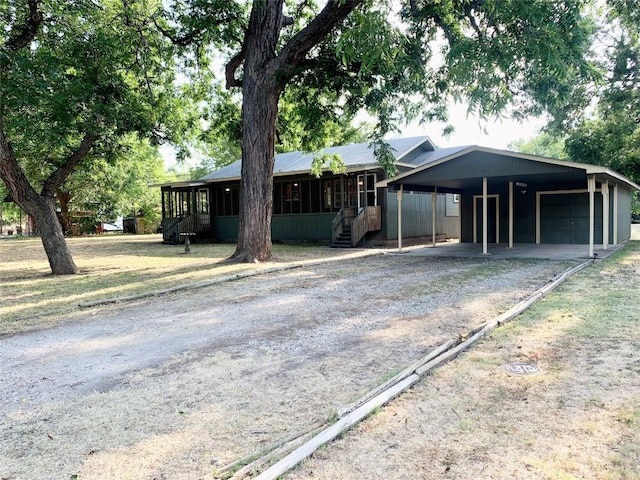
468,130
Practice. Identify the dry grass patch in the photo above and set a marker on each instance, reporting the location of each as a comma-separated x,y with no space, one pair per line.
112,266
578,418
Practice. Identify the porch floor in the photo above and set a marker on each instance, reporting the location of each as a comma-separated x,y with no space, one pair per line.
520,250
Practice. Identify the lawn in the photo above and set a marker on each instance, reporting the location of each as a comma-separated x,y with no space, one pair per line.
113,266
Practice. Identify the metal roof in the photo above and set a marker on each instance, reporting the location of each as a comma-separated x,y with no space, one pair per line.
409,151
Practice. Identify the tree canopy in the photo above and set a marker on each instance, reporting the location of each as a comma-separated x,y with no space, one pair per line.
75,79
610,136
78,76
398,60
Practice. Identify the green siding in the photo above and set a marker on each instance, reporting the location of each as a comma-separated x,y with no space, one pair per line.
294,227
303,227
624,214
417,216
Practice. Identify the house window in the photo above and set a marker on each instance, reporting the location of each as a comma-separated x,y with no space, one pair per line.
326,196
277,198
315,195
337,192
202,200
227,200
291,193
367,190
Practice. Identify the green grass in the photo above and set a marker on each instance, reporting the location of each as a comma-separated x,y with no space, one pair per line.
113,266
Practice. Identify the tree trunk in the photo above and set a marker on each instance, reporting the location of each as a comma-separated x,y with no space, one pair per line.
41,208
261,91
63,199
264,76
53,241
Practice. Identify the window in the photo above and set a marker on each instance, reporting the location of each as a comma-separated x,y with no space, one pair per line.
326,196
367,194
202,201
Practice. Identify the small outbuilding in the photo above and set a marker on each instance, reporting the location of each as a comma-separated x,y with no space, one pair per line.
510,198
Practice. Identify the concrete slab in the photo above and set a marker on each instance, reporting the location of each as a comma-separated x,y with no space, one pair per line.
550,252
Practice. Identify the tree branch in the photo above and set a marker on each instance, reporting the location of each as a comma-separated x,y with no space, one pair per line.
60,175
29,29
12,174
232,67
294,52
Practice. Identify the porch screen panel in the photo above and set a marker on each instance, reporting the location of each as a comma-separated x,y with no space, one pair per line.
305,196
277,198
315,196
219,199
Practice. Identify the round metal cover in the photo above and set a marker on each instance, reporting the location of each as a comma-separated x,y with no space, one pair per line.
522,368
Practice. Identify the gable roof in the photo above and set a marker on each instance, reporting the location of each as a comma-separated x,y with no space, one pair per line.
408,151
439,172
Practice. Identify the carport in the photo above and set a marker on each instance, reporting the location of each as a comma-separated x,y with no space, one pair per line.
513,198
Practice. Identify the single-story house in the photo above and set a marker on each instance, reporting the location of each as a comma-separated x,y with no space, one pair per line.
345,209
508,197
473,193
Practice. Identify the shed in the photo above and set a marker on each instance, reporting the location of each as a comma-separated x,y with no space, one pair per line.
508,198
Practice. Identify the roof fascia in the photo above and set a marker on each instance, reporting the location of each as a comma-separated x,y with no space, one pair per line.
413,147
385,183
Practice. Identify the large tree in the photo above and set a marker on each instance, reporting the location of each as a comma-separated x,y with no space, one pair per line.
400,60
610,135
75,77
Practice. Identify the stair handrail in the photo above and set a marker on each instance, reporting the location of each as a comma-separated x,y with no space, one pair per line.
367,220
359,226
336,225
170,225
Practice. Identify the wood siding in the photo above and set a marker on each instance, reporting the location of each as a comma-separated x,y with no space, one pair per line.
417,216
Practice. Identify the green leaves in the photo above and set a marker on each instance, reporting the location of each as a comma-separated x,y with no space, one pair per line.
333,161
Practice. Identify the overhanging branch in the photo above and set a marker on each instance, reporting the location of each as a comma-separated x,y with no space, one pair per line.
60,175
28,31
294,52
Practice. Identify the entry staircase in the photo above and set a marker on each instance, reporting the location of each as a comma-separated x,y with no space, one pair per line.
175,230
352,224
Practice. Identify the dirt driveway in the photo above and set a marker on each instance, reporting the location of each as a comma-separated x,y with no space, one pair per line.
175,386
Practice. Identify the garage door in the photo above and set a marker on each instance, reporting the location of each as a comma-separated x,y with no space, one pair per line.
564,218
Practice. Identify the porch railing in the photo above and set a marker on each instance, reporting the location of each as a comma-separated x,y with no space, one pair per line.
368,219
187,223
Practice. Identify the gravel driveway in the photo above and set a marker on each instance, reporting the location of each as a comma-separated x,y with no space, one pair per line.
176,386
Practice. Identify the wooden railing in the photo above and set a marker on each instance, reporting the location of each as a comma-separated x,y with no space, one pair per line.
188,223
367,220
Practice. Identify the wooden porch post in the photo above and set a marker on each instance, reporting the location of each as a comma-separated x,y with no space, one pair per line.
485,249
510,214
604,189
591,185
615,214
434,201
399,198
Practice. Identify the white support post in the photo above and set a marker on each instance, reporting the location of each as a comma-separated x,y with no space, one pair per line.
434,200
399,198
510,214
615,214
485,249
591,186
604,189
537,218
